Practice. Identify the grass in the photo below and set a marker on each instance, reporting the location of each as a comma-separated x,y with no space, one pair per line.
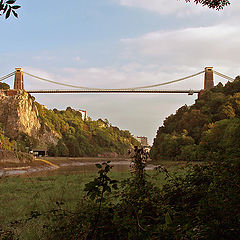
21,195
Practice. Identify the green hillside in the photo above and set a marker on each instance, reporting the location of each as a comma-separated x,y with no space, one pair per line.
208,129
5,142
80,137
65,132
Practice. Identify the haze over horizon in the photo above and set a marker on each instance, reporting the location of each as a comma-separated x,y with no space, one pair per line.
120,44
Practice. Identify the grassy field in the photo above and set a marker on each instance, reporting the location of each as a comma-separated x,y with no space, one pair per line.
21,195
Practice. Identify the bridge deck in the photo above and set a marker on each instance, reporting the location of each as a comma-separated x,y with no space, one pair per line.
115,91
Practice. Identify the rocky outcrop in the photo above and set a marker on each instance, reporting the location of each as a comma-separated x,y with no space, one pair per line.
18,114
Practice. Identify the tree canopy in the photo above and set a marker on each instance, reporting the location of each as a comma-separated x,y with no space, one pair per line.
214,4
8,7
206,130
4,86
84,137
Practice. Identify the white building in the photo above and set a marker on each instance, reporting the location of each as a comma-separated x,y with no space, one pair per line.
84,114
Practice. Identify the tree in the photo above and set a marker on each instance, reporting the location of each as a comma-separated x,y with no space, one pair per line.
222,139
215,4
7,7
4,86
62,149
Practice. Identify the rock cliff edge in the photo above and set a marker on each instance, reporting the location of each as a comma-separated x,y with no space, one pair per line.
18,114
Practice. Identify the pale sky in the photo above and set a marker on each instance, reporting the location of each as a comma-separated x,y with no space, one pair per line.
120,44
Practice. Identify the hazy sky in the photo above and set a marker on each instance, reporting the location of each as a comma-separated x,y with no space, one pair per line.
120,44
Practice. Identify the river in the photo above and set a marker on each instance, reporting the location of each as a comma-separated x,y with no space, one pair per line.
57,166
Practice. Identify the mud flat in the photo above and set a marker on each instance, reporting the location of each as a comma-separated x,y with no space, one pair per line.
57,166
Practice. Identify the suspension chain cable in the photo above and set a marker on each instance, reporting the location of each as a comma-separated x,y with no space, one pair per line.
134,88
7,76
169,82
224,76
47,80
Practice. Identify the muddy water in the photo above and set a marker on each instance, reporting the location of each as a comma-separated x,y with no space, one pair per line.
85,167
71,166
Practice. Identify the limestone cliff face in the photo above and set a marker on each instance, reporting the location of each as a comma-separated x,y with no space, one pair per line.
18,114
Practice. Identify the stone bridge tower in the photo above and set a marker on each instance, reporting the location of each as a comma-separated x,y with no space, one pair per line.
208,79
19,80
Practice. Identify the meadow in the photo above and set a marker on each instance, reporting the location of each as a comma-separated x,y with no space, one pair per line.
23,196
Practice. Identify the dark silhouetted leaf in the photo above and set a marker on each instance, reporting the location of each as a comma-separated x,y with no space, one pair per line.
98,165
8,13
15,14
5,9
11,1
16,7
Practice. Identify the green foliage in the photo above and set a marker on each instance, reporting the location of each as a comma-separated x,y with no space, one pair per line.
7,8
5,142
6,234
204,130
203,203
84,137
101,184
25,143
96,190
222,140
52,150
131,216
4,86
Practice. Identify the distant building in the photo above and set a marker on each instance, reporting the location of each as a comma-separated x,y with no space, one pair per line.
143,141
84,114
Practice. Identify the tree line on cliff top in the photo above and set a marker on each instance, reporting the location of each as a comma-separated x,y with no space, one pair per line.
78,137
208,129
84,137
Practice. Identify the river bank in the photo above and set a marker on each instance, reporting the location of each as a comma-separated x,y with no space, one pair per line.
47,166
37,162
56,166
14,157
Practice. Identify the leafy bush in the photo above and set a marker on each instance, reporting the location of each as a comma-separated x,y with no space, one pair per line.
204,202
201,204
